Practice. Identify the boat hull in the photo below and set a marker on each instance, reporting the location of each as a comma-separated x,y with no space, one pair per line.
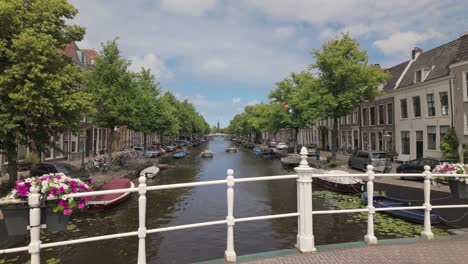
357,187
416,216
111,200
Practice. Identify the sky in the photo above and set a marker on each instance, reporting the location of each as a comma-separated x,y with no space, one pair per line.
225,54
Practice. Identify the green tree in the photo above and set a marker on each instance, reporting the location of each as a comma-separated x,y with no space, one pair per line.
449,145
114,90
346,80
39,92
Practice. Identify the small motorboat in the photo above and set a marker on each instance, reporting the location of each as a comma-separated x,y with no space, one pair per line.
416,216
257,150
150,172
109,200
179,154
268,153
340,183
231,149
207,154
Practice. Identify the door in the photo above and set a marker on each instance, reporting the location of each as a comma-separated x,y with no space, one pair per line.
419,144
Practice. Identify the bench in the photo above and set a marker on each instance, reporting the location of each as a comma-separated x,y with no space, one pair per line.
402,158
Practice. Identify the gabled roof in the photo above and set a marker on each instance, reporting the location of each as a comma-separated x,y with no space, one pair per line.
395,73
438,59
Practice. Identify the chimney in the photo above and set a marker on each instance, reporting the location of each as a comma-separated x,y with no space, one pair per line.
415,53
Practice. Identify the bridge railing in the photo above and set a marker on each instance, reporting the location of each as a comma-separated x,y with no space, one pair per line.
305,235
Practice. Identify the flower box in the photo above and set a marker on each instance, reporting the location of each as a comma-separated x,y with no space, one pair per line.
459,189
17,220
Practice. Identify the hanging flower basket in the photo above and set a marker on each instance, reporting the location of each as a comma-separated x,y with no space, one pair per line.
458,185
55,211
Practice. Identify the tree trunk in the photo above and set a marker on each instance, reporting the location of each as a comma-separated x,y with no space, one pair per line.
296,132
144,144
109,145
334,138
11,153
161,138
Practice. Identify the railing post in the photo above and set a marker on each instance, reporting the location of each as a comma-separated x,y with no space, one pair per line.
230,254
35,224
370,238
142,220
427,232
305,234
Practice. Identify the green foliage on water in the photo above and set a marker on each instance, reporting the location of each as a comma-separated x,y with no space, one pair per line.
384,225
53,261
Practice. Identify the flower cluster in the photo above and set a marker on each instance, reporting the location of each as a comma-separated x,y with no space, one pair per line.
53,187
454,169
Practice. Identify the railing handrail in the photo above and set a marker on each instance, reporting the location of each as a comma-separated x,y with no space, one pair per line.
304,176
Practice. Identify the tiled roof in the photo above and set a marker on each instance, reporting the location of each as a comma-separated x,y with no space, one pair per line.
440,58
395,73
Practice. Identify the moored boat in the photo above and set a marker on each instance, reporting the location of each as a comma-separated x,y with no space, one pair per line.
150,172
340,183
231,149
108,200
416,215
207,154
179,154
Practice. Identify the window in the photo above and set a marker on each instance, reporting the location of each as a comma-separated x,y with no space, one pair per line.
417,106
443,131
380,139
348,119
404,108
431,137
364,116
430,105
381,115
405,142
365,141
465,124
444,103
390,114
356,139
373,145
372,116
343,139
355,117
466,84
418,76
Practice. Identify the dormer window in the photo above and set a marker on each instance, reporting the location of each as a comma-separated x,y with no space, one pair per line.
418,76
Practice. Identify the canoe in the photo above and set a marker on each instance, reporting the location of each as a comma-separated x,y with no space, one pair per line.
109,200
416,216
340,184
150,172
179,155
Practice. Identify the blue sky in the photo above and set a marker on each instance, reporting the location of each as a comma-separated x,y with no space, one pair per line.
223,55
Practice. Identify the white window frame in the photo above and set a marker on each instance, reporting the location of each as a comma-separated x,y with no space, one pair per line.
363,117
355,117
415,75
393,113
401,108
378,115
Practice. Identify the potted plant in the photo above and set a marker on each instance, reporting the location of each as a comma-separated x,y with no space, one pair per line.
55,210
459,184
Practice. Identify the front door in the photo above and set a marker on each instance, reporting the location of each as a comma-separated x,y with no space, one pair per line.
419,144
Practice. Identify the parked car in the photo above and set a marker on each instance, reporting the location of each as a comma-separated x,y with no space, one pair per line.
378,159
272,144
152,153
281,146
67,169
169,148
158,148
417,166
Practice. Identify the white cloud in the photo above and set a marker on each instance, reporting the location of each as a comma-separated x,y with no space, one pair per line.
152,62
236,100
213,65
284,32
194,8
404,41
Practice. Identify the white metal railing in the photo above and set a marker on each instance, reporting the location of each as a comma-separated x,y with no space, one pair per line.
305,236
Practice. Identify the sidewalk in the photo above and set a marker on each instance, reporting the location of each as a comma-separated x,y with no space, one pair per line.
449,249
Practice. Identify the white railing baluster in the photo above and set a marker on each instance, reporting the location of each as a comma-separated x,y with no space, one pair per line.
142,220
230,254
370,237
427,232
305,233
34,225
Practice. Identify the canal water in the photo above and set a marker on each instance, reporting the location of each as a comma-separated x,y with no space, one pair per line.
208,203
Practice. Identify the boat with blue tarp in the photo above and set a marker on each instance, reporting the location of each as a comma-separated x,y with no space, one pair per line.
413,215
179,154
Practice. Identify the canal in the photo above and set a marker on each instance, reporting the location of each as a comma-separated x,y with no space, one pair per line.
193,205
